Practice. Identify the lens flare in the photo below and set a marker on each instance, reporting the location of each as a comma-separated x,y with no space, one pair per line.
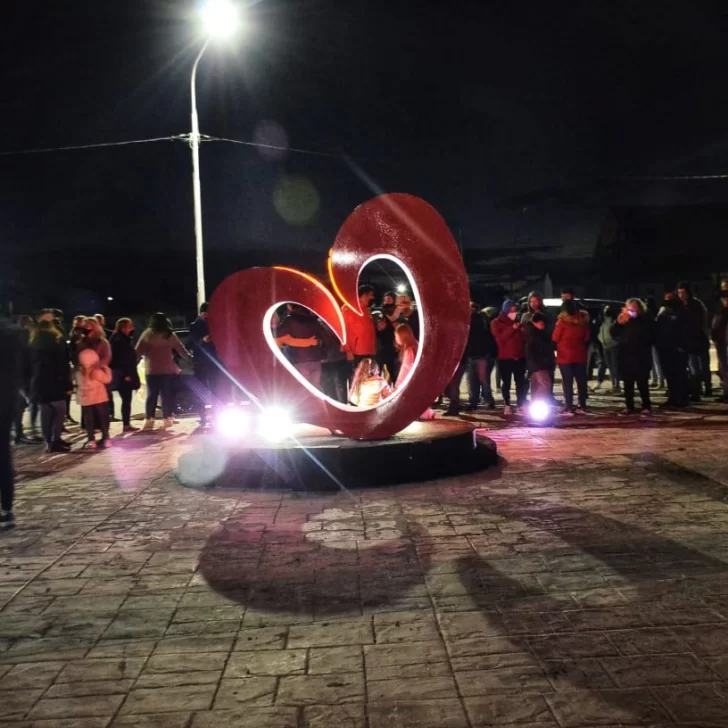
233,423
275,424
539,411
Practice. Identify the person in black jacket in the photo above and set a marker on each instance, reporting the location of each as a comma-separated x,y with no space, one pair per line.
207,372
24,330
124,374
635,331
671,332
540,360
481,352
50,382
11,363
698,342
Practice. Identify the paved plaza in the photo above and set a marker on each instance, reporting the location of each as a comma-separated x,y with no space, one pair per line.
583,582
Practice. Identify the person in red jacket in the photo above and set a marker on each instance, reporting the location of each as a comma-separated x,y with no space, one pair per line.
361,333
571,336
509,337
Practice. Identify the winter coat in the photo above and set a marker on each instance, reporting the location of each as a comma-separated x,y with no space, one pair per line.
697,326
511,341
123,363
51,368
636,338
481,344
539,349
92,385
671,330
571,336
203,351
158,351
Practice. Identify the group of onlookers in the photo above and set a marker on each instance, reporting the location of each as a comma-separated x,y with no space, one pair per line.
631,344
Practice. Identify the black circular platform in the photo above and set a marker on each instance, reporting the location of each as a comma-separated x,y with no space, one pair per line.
315,460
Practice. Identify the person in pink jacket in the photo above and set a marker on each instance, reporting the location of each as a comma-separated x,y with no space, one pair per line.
92,378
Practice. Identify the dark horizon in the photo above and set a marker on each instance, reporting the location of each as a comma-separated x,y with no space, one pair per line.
466,108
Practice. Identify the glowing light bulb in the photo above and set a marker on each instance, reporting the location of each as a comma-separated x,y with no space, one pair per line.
539,410
220,18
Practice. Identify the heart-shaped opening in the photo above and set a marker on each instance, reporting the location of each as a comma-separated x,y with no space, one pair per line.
382,272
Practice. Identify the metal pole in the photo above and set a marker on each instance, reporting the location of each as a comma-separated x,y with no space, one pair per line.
196,187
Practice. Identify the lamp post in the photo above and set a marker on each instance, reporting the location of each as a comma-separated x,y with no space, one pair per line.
220,20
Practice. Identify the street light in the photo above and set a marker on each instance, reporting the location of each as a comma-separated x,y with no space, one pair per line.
220,20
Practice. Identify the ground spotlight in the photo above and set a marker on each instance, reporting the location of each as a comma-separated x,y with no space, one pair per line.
233,422
275,424
539,411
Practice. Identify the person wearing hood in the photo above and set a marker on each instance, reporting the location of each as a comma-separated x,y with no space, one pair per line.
511,342
698,342
535,304
571,336
670,339
610,348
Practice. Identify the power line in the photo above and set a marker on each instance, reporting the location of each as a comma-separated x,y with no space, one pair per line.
259,145
44,150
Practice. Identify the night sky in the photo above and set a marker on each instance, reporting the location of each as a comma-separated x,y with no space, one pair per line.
466,105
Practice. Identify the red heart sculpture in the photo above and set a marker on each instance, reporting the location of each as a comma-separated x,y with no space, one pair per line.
397,227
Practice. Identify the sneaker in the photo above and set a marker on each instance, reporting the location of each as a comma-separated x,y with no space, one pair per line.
168,422
507,410
91,445
25,440
580,411
491,404
627,412
596,387
71,420
566,412
7,518
105,443
646,412
130,428
148,424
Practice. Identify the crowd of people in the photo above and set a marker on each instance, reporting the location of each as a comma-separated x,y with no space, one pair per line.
523,345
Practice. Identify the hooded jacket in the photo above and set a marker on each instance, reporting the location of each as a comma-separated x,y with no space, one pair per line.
526,317
571,336
510,338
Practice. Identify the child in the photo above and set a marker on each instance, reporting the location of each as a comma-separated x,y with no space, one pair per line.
539,357
93,397
368,388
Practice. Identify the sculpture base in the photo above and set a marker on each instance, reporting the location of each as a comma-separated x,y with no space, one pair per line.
315,460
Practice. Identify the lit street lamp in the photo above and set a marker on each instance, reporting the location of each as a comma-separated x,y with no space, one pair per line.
220,20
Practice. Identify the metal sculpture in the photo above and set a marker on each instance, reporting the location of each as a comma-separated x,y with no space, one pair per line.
396,227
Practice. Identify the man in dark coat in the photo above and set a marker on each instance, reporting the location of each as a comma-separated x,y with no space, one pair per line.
481,352
698,342
11,362
671,331
205,359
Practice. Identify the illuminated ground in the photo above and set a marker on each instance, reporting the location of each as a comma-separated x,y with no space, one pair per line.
584,582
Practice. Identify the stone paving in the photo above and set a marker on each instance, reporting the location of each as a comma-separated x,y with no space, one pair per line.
584,582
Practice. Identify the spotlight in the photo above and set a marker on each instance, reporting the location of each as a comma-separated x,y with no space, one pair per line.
401,288
233,423
539,411
275,424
